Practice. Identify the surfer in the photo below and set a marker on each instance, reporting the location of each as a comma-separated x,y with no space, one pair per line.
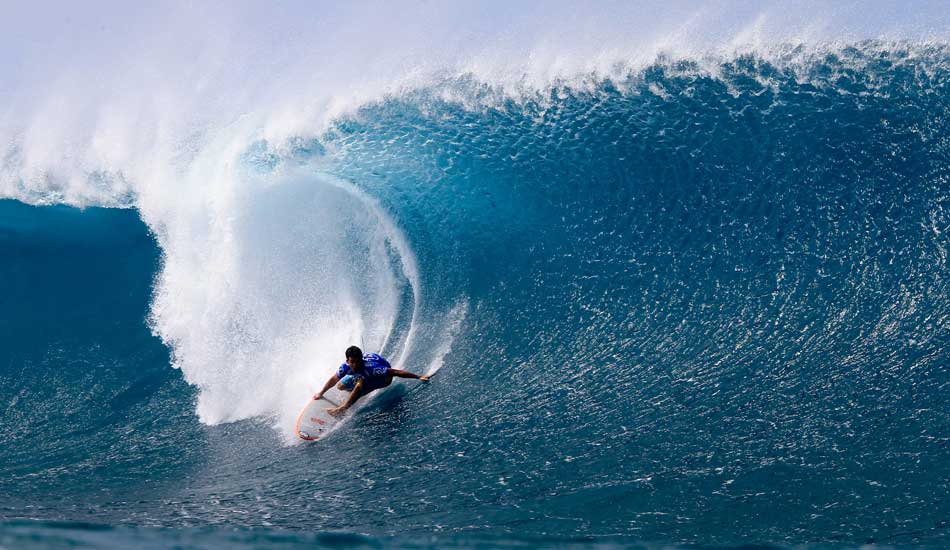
362,374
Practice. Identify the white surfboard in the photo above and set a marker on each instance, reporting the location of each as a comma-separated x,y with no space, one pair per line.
314,421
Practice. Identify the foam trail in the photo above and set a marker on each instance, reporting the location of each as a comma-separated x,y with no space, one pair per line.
407,262
453,325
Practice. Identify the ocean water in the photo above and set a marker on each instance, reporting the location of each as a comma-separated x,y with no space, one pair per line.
681,287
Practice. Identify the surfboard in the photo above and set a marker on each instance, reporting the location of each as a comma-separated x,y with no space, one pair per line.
314,421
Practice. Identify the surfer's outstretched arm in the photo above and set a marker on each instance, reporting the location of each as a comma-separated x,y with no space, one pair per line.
354,395
407,374
326,387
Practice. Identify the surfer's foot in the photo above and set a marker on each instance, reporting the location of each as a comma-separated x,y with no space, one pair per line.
338,411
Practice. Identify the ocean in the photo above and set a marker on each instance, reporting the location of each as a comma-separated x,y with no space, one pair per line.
674,297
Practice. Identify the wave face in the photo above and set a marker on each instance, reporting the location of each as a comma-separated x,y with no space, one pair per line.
700,299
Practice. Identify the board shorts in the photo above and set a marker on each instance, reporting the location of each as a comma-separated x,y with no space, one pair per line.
348,382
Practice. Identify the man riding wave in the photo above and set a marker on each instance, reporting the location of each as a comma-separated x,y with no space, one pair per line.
362,374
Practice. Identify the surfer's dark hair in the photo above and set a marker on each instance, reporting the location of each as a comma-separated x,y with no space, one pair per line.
356,353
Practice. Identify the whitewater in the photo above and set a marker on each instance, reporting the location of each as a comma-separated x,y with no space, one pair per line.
682,269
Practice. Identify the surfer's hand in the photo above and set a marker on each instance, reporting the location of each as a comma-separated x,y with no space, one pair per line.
425,377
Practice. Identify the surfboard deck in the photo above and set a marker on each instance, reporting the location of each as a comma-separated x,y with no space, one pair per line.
314,421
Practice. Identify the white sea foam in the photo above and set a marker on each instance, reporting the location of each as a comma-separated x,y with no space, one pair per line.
100,103
263,291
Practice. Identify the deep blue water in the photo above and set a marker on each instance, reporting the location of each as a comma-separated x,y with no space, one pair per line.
701,309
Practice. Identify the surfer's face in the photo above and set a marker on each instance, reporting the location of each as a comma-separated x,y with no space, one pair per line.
352,363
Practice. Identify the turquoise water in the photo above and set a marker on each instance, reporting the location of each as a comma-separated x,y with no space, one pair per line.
680,306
